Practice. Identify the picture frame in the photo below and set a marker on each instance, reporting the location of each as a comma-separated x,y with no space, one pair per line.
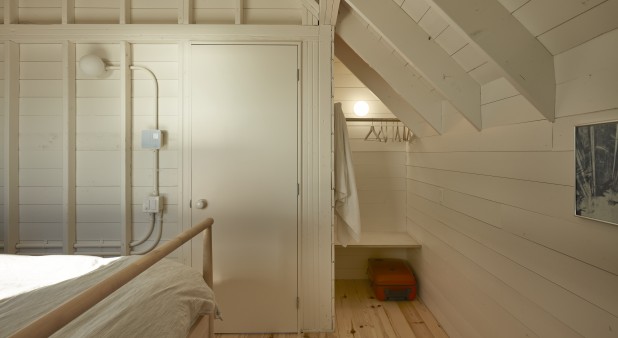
596,171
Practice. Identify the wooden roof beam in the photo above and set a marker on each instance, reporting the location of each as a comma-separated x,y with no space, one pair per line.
374,82
427,57
521,58
408,84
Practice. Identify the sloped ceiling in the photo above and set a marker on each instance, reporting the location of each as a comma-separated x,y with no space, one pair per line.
438,55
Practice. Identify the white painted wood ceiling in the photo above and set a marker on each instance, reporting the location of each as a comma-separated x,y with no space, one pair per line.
555,26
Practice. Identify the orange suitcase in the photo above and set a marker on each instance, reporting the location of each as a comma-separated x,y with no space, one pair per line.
391,279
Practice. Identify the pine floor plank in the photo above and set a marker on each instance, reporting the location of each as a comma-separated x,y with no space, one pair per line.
359,315
429,319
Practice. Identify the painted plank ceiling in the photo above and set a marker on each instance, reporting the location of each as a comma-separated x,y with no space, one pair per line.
490,40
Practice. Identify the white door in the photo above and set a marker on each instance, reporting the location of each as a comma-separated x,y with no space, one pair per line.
244,154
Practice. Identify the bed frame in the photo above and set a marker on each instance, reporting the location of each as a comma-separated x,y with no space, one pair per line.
65,313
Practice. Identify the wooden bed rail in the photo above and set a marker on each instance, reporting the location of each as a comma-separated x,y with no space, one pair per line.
54,320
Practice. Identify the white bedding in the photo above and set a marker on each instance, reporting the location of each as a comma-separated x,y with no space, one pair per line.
25,273
163,301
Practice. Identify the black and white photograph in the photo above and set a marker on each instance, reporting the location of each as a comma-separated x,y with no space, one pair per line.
596,171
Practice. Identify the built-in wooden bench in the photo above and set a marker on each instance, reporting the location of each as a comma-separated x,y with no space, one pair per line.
384,239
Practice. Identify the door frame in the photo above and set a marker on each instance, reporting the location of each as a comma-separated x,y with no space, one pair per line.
316,268
193,256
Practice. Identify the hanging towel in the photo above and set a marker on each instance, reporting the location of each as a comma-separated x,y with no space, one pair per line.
346,197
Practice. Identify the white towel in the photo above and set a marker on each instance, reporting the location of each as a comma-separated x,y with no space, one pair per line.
346,197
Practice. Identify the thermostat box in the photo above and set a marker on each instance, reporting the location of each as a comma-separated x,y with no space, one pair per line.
152,139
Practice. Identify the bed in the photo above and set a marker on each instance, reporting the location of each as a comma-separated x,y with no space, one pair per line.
132,296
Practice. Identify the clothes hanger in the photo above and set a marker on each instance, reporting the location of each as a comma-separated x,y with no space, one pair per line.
397,136
372,130
385,132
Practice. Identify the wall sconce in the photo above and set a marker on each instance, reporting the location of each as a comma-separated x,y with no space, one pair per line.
92,65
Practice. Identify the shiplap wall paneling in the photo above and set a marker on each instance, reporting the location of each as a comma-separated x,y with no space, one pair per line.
351,263
498,216
440,262
214,12
40,12
98,12
380,180
256,12
154,12
161,59
41,143
98,156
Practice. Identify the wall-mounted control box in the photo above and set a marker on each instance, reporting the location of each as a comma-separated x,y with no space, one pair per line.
152,139
151,204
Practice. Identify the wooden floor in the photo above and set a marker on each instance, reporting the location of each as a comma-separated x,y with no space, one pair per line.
359,314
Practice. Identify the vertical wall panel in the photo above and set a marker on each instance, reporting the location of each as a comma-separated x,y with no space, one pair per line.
41,132
98,143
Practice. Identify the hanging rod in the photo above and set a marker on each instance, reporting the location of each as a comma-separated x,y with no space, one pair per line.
371,119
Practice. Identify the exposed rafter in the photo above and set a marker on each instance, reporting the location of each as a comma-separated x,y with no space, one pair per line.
427,57
409,85
328,12
374,82
521,58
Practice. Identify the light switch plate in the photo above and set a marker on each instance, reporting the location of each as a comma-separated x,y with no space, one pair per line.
151,204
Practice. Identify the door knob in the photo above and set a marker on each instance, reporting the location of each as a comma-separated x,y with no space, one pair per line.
201,204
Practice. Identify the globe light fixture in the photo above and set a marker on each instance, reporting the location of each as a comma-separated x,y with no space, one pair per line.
92,65
361,108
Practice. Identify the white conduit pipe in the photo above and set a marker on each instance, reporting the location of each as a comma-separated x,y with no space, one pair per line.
159,234
155,164
155,169
145,238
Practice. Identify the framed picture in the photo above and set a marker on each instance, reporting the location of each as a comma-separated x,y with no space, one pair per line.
596,171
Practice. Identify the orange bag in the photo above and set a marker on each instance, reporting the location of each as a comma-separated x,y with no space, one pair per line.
391,279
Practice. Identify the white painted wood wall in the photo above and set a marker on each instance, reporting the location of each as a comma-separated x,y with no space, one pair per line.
46,92
503,255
